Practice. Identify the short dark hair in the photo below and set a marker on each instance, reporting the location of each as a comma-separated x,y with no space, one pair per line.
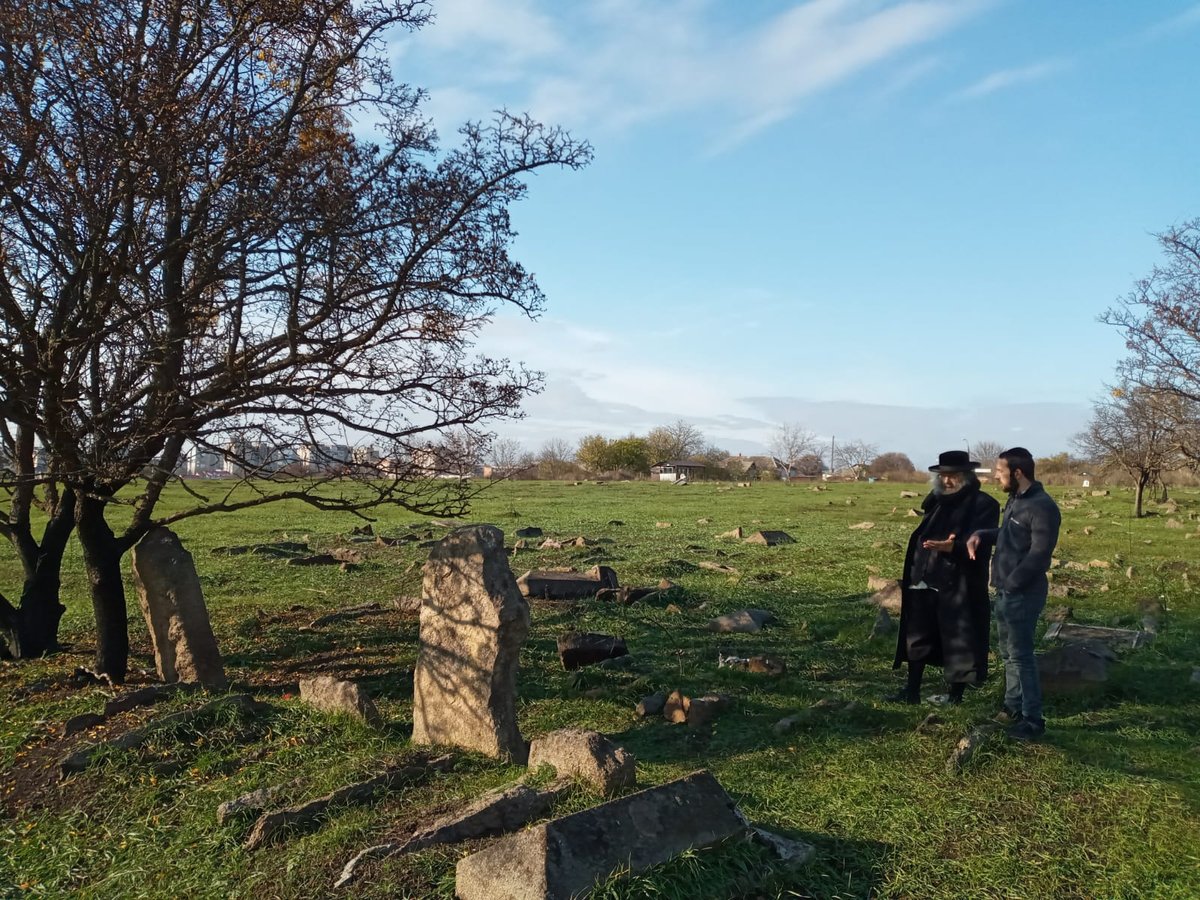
1020,459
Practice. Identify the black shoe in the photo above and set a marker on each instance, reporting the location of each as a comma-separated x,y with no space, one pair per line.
1027,730
1007,716
903,696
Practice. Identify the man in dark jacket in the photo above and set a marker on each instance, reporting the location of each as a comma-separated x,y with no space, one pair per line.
944,615
1024,543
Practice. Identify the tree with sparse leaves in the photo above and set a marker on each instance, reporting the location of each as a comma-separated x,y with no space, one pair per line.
790,441
197,248
855,456
681,440
987,452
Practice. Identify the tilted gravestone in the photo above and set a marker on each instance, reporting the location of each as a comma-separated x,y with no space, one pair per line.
473,623
173,603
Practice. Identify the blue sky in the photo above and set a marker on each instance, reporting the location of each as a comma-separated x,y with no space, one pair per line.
888,221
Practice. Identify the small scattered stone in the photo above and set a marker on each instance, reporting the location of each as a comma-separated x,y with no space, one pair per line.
662,524
770,538
675,710
1058,614
330,694
967,747
577,649
530,531
704,521
862,526
652,705
745,620
82,722
930,724
579,753
1099,564
702,710
908,495
735,534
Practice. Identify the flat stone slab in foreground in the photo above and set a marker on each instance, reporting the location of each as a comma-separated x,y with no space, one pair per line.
566,857
547,585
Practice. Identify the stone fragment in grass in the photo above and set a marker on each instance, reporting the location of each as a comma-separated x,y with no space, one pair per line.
615,522
673,609
704,520
407,603
744,620
530,531
930,724
766,665
1174,523
569,856
581,648
862,526
317,559
1062,591
309,816
584,754
652,705
967,747
550,544
1072,632
172,603
718,567
770,538
702,710
254,801
666,584
500,811
790,852
329,694
350,612
82,722
662,524
1099,564
473,624
1058,614
146,696
908,495
675,710
734,534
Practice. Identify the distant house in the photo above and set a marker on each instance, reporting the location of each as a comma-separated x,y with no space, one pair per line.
676,470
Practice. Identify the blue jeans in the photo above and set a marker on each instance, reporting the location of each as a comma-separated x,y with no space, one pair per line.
1016,620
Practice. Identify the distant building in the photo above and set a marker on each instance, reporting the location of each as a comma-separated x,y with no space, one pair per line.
202,462
676,470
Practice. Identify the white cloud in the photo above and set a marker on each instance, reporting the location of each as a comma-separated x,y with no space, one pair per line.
612,64
1006,78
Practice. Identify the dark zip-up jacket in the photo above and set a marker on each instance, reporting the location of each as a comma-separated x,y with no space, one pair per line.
1024,542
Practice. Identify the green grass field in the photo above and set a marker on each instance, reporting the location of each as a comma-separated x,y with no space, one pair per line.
1107,806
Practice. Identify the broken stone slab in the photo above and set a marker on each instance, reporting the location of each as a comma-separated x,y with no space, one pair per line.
172,603
760,665
473,624
790,852
550,544
316,559
702,710
278,549
1074,666
305,817
652,705
342,615
744,620
770,538
1114,637
967,746
330,694
254,801
530,531
569,856
347,555
626,595
675,709
584,648
718,567
908,495
146,696
501,811
862,526
82,722
544,584
588,755
131,740
734,534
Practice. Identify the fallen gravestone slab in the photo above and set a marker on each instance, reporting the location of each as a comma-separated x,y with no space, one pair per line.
501,811
567,857
887,594
309,816
146,696
734,534
770,538
547,585
330,694
317,559
652,704
582,648
1074,666
530,531
1114,637
254,801
744,620
862,526
131,740
172,603
589,755
473,623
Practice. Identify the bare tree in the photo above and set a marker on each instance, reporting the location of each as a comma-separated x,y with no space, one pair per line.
790,441
504,455
196,248
556,459
679,440
856,456
986,452
1130,432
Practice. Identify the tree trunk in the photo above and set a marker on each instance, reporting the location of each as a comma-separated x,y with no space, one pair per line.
1137,498
30,629
102,560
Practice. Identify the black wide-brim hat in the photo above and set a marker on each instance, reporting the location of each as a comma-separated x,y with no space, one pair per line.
954,461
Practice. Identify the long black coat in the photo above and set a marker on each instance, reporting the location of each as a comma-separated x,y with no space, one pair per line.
948,627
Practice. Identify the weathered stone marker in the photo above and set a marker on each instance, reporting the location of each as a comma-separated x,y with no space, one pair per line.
548,585
566,857
473,623
173,604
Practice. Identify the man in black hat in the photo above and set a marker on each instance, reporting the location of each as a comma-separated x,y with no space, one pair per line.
1024,545
944,612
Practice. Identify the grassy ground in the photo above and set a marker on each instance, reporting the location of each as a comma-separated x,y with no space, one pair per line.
1107,806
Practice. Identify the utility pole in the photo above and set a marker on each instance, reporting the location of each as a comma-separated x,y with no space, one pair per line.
832,449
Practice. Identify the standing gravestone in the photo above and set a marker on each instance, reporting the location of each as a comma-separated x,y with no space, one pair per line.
473,623
173,604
